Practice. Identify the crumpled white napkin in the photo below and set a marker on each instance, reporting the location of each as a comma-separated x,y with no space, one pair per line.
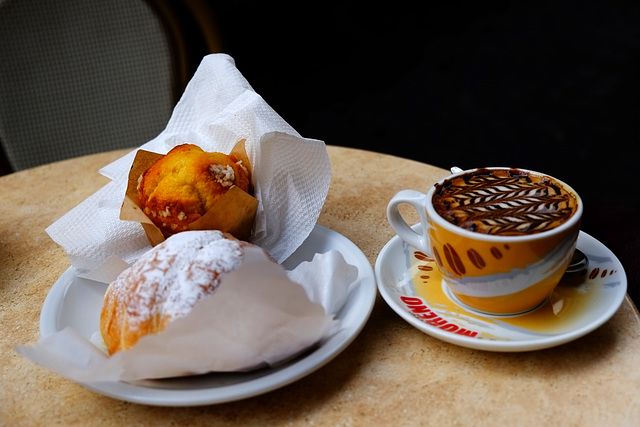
258,316
291,174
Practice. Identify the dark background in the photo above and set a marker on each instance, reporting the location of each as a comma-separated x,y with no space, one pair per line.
548,86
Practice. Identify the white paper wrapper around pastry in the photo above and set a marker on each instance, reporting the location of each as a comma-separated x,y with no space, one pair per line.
256,317
291,174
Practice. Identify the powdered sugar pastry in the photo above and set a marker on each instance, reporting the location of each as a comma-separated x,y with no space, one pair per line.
169,279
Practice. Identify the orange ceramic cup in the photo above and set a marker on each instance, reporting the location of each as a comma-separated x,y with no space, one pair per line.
494,274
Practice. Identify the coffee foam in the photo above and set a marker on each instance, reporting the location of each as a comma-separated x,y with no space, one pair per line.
504,202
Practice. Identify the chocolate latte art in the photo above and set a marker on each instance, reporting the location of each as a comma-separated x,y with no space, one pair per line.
504,202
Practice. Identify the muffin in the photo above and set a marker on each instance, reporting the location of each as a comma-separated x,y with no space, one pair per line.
181,186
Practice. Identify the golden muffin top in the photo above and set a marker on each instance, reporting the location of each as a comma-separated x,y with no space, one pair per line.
184,184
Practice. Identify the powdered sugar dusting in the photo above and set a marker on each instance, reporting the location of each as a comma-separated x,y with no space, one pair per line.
170,278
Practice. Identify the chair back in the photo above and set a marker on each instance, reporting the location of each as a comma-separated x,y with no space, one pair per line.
79,77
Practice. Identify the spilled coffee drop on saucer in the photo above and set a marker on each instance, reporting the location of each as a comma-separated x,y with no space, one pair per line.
504,202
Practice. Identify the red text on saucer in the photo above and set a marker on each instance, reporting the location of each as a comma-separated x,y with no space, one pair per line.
420,309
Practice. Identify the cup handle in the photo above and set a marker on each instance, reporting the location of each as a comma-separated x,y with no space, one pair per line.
419,201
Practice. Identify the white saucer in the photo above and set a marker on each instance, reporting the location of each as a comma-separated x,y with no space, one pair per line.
413,288
77,302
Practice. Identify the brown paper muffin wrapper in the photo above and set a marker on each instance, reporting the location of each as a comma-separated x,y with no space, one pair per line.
233,213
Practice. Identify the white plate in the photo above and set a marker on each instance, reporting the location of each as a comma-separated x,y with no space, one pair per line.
413,288
77,302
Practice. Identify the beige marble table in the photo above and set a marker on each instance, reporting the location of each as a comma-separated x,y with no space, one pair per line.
392,374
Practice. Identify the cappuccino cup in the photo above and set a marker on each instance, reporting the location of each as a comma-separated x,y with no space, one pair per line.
501,237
